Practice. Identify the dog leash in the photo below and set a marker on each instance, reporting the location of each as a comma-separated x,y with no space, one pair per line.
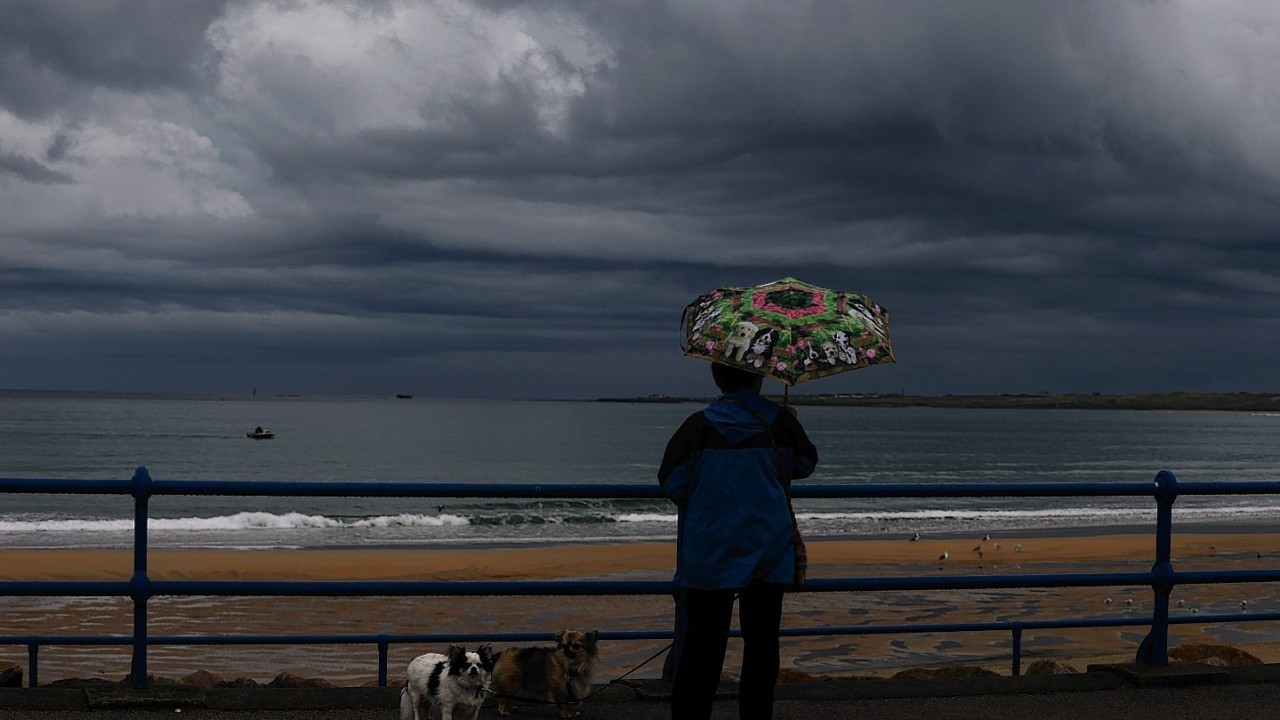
667,647
650,659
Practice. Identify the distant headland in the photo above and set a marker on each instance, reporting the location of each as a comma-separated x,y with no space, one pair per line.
1238,401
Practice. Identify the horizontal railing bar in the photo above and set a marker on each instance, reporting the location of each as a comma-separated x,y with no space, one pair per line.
514,637
404,489
595,490
556,587
56,486
54,588
954,490
1207,577
42,588
1236,487
628,635
973,582
1006,625
401,588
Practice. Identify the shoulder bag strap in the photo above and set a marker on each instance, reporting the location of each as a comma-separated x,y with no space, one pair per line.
783,475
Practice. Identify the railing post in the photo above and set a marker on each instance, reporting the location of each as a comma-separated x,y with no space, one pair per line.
33,653
1017,651
141,584
383,650
1154,649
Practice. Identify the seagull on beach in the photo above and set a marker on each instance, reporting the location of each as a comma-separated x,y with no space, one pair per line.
945,554
1107,601
1017,548
915,537
986,538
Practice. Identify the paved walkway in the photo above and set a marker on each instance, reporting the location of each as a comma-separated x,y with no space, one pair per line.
1192,692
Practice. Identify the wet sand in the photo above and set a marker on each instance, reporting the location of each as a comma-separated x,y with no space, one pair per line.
879,654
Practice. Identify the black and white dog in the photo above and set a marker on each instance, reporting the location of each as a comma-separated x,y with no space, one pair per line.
457,680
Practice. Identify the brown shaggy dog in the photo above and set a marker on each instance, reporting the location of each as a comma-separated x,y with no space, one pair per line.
561,674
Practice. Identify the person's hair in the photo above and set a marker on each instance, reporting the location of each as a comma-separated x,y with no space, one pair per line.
729,378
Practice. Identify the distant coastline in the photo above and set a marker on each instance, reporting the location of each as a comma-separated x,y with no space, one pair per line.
1237,401
1240,401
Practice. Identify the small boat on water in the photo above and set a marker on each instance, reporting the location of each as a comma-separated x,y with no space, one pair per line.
403,396
260,433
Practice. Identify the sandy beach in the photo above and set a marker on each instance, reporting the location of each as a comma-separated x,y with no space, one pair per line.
856,655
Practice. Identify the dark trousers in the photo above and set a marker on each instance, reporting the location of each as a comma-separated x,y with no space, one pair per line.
708,615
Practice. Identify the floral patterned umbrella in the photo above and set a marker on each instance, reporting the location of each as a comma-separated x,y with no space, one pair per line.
787,330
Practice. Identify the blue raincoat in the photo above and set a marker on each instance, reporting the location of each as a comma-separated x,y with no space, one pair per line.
721,470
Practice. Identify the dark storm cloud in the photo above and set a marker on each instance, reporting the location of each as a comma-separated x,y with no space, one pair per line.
29,169
498,195
129,44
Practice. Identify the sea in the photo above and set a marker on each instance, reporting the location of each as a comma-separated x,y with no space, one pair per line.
430,440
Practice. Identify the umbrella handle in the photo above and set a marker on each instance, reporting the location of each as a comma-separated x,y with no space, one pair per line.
786,402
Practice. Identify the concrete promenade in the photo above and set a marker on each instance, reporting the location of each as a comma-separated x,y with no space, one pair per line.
1121,692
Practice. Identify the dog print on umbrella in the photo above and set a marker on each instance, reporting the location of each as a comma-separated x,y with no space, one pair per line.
788,330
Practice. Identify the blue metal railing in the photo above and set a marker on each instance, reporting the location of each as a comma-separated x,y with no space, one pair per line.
140,588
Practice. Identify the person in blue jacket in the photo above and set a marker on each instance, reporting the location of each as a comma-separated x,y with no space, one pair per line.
728,469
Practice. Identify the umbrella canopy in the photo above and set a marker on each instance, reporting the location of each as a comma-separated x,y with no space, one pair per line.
787,330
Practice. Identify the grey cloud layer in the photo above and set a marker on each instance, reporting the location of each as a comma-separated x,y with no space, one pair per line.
1048,196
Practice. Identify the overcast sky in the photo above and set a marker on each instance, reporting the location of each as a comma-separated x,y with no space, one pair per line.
495,198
